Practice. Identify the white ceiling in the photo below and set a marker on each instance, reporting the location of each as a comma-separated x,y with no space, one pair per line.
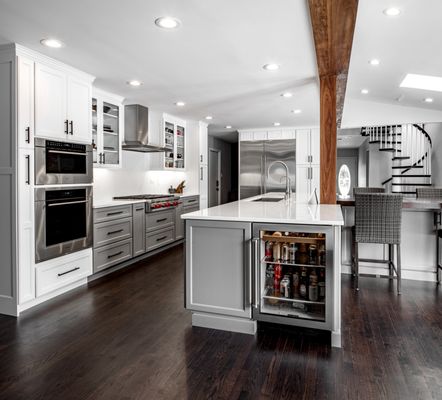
408,43
213,62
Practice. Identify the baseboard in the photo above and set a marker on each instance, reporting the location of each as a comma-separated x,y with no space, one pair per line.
224,323
419,273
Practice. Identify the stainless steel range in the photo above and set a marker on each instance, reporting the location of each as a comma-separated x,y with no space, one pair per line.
154,202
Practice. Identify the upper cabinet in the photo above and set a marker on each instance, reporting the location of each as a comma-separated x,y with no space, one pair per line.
62,104
270,134
107,128
307,146
25,102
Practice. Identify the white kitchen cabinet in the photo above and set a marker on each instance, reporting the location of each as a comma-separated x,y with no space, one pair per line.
25,217
203,143
203,185
62,105
107,128
307,180
25,103
307,146
315,182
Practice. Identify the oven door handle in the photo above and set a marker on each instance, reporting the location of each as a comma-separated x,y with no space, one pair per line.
66,152
67,203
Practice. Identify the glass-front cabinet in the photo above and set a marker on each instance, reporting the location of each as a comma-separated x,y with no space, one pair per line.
174,141
293,275
107,128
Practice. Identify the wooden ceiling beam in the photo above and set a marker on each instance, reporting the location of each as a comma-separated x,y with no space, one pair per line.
333,24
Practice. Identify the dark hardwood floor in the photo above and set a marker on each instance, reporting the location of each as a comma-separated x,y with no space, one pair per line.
128,336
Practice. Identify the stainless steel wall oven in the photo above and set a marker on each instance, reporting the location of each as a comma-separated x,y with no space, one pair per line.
63,221
58,163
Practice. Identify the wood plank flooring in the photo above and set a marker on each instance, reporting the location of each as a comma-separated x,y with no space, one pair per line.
128,336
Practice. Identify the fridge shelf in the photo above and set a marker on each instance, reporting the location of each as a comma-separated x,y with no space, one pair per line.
286,310
292,239
269,296
268,260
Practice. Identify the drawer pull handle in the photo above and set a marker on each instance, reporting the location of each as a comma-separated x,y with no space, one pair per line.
162,219
114,213
114,255
191,201
113,232
161,238
68,272
139,209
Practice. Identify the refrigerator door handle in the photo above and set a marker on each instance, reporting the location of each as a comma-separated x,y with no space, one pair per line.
254,289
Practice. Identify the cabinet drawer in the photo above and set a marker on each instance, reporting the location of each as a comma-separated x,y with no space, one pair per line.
111,213
161,238
112,231
160,220
190,201
56,273
106,256
190,209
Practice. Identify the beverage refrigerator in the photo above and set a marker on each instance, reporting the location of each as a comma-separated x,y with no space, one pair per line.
292,272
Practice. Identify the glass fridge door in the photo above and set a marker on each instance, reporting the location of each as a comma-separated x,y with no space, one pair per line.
293,274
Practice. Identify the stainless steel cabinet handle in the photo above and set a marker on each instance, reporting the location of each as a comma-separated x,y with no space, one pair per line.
191,201
114,213
104,158
114,255
139,209
66,127
201,173
72,127
66,152
161,238
162,219
68,272
28,164
201,158
254,267
67,203
114,232
28,134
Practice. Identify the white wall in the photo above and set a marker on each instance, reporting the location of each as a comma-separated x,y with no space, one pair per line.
137,177
435,132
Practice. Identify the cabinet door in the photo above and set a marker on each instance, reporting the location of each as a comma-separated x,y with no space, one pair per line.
50,103
274,135
79,110
179,223
315,174
245,136
315,143
302,183
139,229
156,136
218,269
203,145
303,146
25,103
25,253
204,183
260,135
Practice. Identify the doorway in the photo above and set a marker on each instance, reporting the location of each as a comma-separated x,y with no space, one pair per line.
214,177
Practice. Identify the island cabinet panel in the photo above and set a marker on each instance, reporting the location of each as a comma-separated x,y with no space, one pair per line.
218,269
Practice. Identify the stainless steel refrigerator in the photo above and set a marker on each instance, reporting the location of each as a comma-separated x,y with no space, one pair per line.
256,157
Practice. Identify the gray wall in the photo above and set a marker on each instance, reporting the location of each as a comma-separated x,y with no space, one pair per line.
226,165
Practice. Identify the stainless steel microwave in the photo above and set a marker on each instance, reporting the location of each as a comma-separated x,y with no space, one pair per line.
59,163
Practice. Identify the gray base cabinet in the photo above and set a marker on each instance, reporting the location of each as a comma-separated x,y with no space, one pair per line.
218,272
139,229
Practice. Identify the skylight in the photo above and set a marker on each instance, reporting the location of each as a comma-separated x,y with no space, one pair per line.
425,82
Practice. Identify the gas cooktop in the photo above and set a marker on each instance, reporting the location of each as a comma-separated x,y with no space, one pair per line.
145,197
154,202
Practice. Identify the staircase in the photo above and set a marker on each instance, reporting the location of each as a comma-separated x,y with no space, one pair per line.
410,148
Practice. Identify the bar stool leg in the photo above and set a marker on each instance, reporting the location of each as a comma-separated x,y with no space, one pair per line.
438,266
356,267
390,260
353,244
398,268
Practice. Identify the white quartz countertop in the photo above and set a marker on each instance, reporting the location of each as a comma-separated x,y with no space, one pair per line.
115,203
281,212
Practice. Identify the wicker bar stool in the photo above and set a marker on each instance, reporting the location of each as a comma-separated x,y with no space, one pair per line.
359,190
378,219
432,193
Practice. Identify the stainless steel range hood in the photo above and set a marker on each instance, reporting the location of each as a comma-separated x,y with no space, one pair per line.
136,130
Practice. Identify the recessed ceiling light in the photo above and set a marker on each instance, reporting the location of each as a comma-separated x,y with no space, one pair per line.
276,123
392,12
135,83
297,111
364,91
428,100
209,117
228,126
271,67
374,62
167,22
53,43
287,95
425,82
180,104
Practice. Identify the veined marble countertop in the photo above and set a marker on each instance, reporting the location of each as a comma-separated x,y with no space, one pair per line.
281,212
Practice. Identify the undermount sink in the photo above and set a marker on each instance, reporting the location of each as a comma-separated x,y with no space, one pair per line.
269,199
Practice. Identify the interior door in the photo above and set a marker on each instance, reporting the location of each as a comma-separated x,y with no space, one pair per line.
50,103
214,177
274,173
251,169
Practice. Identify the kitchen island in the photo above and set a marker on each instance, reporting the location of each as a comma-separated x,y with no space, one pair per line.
265,259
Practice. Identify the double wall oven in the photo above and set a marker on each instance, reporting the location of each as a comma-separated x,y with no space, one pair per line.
63,198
